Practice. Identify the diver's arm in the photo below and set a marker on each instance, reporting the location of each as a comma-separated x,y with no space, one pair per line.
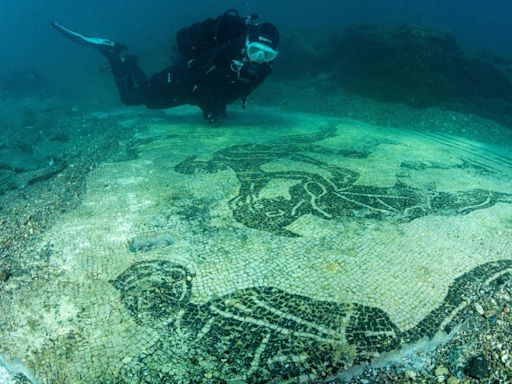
129,78
256,75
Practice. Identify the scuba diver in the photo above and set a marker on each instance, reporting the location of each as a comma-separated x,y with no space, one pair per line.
215,62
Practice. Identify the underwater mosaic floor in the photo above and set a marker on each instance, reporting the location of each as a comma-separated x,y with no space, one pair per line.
289,248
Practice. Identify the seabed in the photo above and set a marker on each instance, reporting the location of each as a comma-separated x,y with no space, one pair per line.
276,248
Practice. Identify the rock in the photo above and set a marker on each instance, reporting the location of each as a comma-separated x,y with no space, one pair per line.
208,375
490,313
407,64
5,273
441,370
477,367
375,50
411,375
479,309
149,241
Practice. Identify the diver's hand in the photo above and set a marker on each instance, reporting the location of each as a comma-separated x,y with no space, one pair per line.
214,112
213,119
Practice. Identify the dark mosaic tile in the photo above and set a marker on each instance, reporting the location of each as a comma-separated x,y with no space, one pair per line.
259,334
327,197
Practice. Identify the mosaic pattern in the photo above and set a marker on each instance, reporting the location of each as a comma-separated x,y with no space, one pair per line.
188,273
327,197
263,333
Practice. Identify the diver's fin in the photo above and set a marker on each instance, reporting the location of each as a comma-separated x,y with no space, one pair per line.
105,46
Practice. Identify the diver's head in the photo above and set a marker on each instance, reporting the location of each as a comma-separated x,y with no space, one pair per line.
261,43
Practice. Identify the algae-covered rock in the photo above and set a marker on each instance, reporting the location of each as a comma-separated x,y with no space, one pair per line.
302,54
404,63
417,66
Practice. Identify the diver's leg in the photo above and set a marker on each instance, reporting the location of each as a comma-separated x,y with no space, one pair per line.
129,78
166,89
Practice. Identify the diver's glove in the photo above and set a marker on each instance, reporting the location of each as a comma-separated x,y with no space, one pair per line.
214,112
213,119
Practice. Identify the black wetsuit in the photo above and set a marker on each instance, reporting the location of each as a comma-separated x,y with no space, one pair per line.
209,71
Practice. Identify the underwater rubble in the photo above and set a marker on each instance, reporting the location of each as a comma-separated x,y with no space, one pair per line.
45,155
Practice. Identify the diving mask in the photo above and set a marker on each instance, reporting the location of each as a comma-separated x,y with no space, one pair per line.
259,53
